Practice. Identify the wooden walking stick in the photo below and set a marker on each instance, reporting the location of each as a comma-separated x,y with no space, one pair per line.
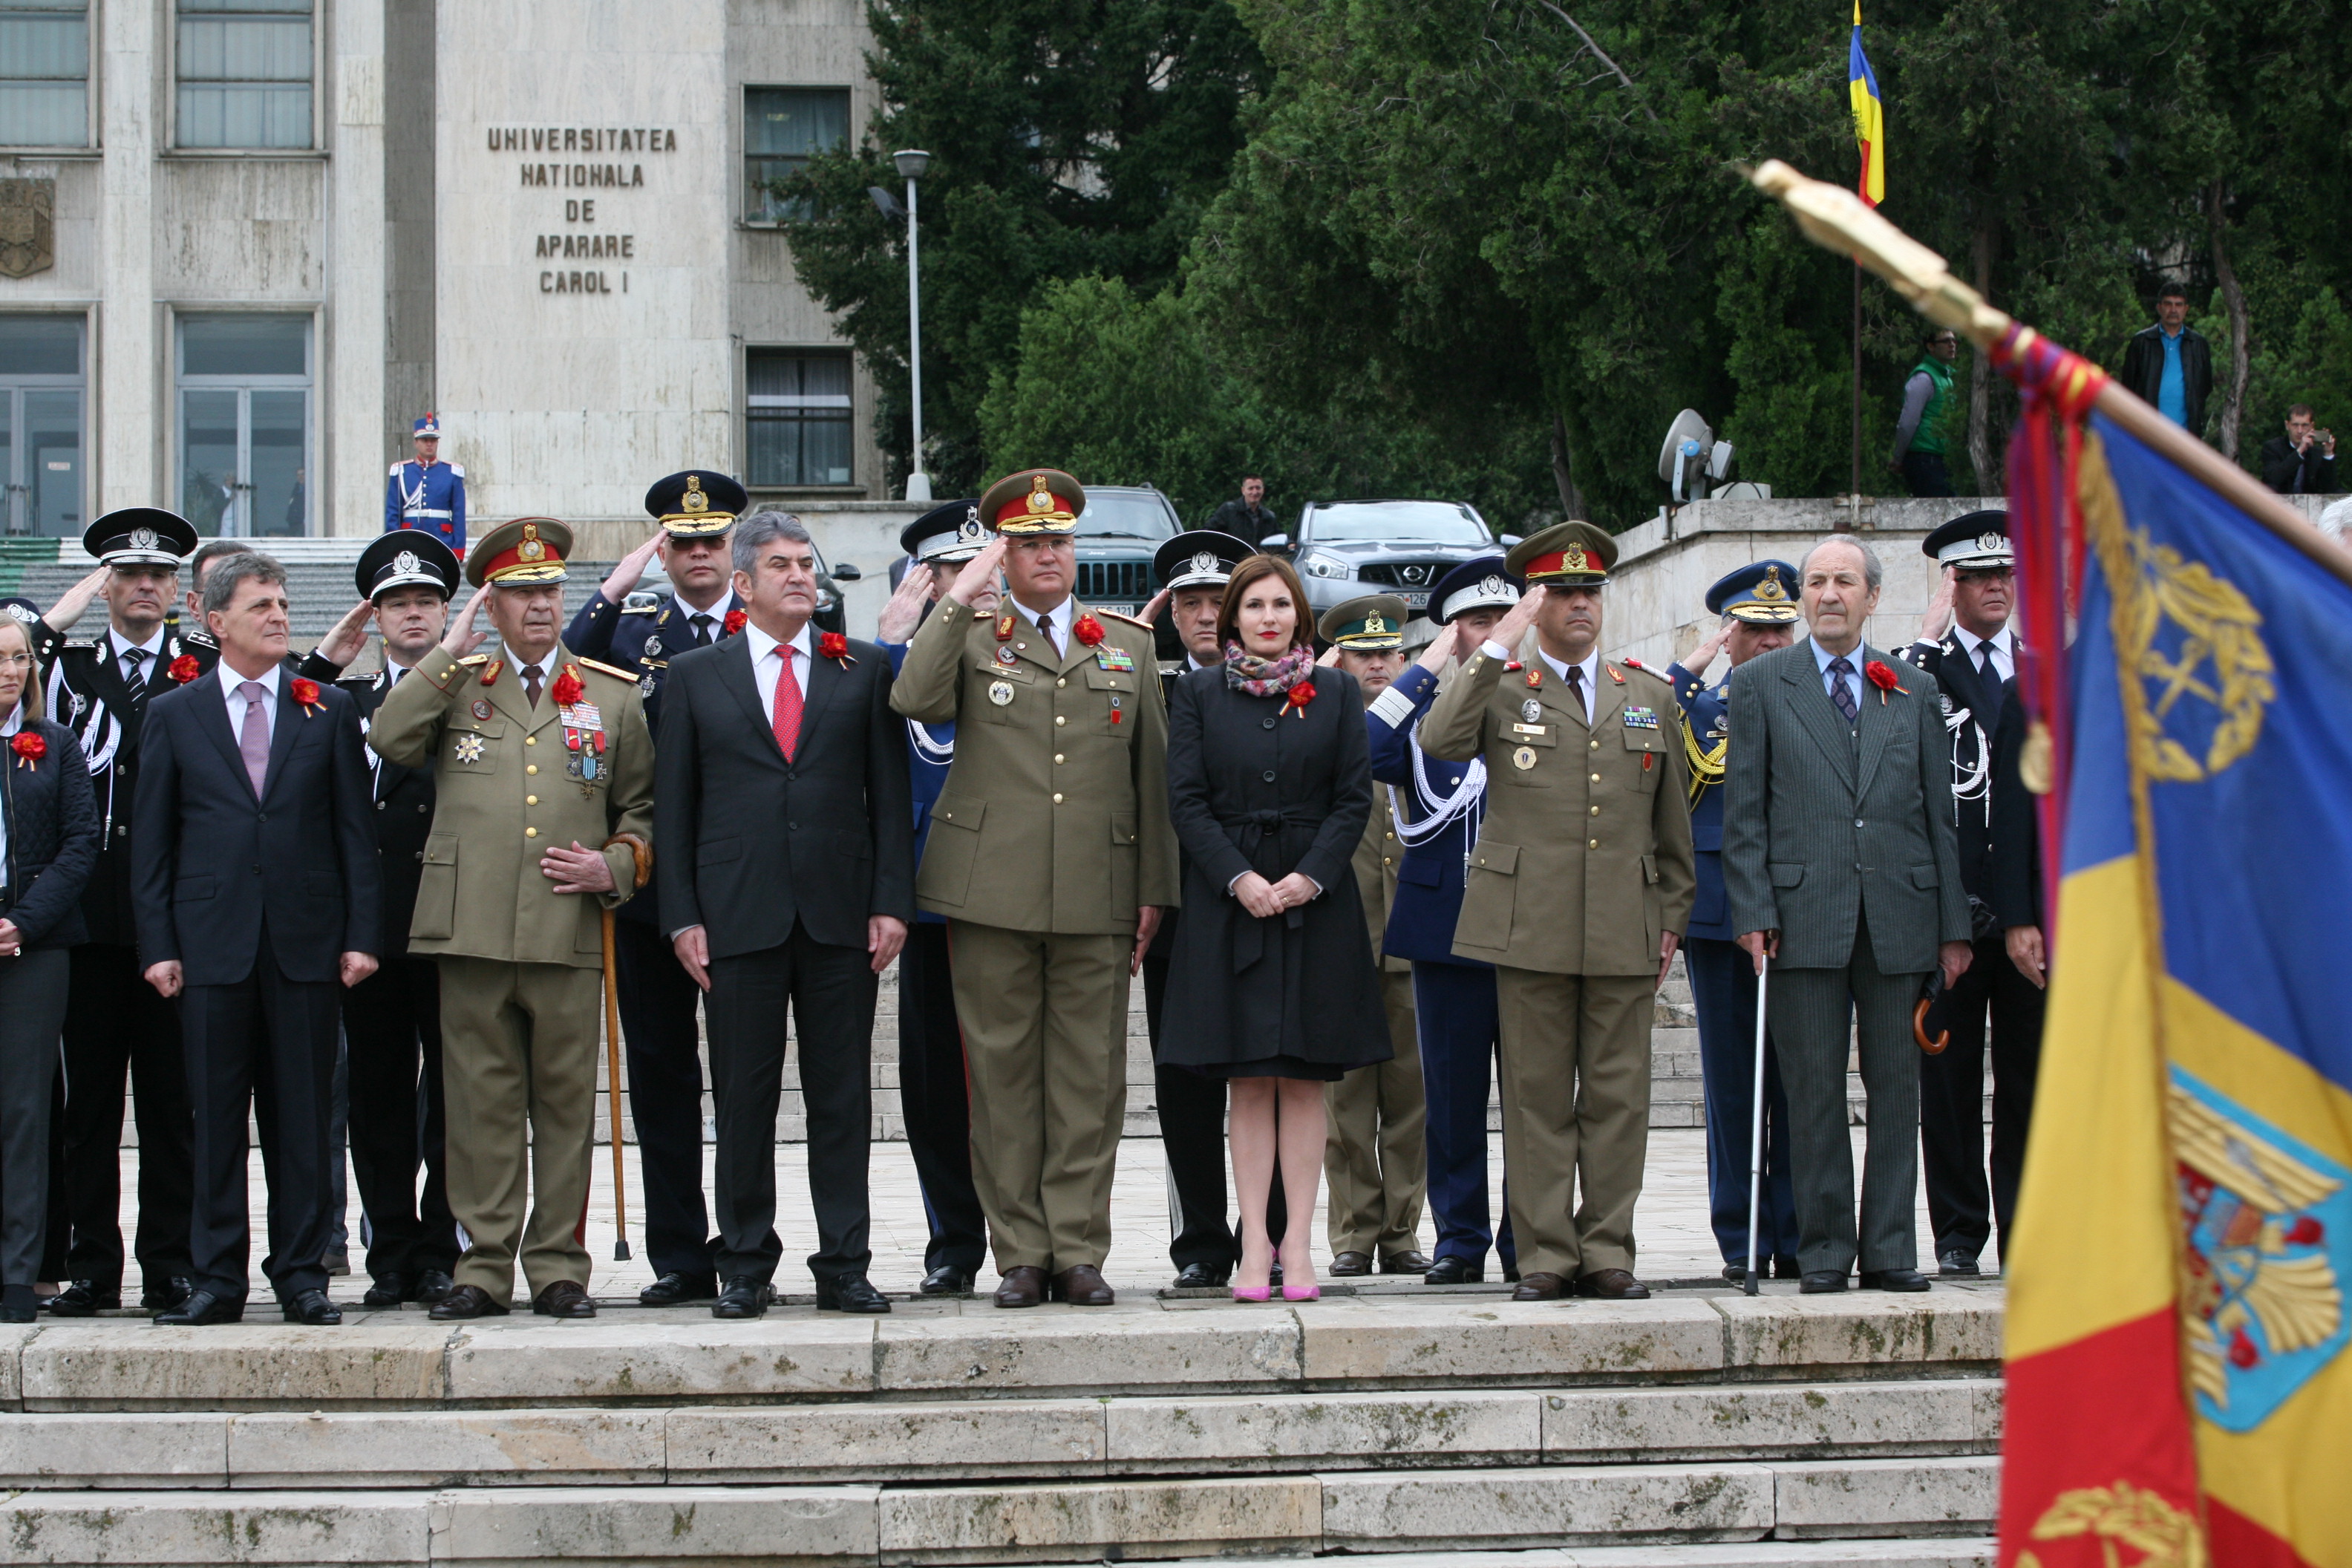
643,858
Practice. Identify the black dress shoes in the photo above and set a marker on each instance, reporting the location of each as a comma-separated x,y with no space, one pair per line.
311,1307
1822,1282
853,1293
171,1293
1024,1285
1350,1264
18,1304
465,1301
201,1307
1405,1263
1082,1285
947,1280
389,1290
432,1285
1201,1276
83,1299
564,1298
1957,1265
1453,1271
1785,1266
1893,1280
1610,1285
743,1297
675,1289
1540,1287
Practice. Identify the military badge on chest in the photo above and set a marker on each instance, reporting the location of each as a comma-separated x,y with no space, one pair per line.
467,748
583,745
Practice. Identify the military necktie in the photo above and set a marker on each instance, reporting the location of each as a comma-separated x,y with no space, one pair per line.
1576,691
702,625
1991,684
531,673
1842,689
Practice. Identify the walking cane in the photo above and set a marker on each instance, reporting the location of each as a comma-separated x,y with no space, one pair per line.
613,1087
1756,1127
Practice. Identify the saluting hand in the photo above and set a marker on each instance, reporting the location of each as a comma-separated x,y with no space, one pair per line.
1445,644
1939,618
347,636
632,569
981,572
904,612
75,600
1513,627
1150,616
1707,652
461,637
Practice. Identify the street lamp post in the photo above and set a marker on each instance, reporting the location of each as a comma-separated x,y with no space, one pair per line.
911,164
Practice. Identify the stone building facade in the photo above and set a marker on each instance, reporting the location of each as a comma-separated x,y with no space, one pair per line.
245,243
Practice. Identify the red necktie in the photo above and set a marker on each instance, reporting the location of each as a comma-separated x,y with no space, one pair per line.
787,722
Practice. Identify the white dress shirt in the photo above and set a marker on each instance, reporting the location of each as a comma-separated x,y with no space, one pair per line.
15,722
1589,671
146,666
272,680
717,613
768,658
1055,622
2004,644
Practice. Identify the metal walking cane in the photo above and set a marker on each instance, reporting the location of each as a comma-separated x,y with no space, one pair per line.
1756,1131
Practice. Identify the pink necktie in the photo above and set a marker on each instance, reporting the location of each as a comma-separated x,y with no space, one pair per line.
787,722
253,737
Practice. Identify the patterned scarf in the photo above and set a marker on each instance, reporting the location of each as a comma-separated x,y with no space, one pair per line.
1267,677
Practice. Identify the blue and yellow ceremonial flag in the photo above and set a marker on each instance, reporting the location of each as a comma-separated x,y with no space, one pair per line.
1869,117
2180,1390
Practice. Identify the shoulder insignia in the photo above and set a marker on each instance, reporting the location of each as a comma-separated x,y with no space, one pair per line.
456,470
663,619
475,658
980,614
1130,620
359,682
617,674
393,472
1614,674
637,609
74,644
1633,664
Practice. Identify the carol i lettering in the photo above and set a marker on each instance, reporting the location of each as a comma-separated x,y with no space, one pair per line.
596,141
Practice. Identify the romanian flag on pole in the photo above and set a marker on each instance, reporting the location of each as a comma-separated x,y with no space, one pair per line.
1869,117
2179,1391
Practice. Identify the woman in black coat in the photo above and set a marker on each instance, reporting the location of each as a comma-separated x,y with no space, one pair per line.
50,822
1270,785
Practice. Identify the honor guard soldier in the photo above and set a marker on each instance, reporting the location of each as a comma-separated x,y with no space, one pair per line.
1758,604
543,778
1974,663
426,493
1193,569
392,1020
695,512
1373,1154
99,687
1051,853
932,1097
1436,807
1579,885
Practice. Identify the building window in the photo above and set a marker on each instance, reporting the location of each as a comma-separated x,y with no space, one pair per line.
245,423
245,73
783,127
44,73
40,423
798,417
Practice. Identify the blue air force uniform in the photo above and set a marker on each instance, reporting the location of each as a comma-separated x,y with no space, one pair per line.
1439,807
1722,977
431,499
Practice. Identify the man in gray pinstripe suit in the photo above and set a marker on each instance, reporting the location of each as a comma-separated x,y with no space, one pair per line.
1843,868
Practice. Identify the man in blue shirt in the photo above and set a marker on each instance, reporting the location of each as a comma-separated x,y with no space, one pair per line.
2170,364
425,492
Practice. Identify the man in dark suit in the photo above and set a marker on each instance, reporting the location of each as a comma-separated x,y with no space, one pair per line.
1842,867
774,729
2302,461
392,1020
2170,366
1974,662
256,888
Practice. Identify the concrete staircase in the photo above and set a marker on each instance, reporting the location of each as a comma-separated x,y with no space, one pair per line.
1699,1427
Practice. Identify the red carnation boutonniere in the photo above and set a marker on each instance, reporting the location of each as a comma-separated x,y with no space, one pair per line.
1087,630
29,748
184,669
567,689
834,646
1300,696
305,692
733,622
1882,677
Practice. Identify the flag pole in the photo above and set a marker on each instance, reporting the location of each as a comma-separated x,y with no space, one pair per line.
1854,494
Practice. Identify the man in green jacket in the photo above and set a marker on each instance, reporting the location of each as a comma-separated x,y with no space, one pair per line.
1927,420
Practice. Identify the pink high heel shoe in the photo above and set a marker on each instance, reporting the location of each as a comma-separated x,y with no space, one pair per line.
1254,1292
1301,1292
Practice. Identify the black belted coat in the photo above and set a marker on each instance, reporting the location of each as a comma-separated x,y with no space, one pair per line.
1255,787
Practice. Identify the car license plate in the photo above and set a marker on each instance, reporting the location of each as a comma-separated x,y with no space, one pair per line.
1415,601
1130,609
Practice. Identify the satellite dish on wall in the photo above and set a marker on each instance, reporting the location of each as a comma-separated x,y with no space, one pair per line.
1692,460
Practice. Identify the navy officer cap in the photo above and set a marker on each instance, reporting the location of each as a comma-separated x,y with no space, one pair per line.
1973,542
1203,558
950,530
697,505
407,558
141,536
1762,594
1476,584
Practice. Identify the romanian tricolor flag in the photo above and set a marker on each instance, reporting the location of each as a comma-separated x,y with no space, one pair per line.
2179,1387
1869,117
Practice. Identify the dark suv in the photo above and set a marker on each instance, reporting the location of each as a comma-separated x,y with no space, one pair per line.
1118,532
1348,548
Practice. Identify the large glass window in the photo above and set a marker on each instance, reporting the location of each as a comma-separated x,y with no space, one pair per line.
245,423
245,73
44,73
782,127
40,423
799,417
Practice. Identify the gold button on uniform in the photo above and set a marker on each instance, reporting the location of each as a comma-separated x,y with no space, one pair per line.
1057,800
533,768
1059,684
533,741
1596,811
1592,843
1059,720
530,800
530,833
1058,756
1596,745
1596,778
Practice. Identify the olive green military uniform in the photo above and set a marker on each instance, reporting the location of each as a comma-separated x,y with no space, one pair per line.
1051,831
1373,1156
521,963
1584,861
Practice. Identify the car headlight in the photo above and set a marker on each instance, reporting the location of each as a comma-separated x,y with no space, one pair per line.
1328,567
826,600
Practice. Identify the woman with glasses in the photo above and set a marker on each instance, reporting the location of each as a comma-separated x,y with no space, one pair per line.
49,844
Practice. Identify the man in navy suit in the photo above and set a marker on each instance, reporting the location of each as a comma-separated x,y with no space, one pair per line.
1439,806
257,896
1758,603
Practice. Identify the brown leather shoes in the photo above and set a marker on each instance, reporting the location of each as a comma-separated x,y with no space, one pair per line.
1609,1285
1081,1284
563,1300
1350,1263
1023,1285
465,1301
1539,1288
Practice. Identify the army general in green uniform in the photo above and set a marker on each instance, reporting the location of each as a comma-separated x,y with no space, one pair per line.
1579,885
1051,855
545,773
